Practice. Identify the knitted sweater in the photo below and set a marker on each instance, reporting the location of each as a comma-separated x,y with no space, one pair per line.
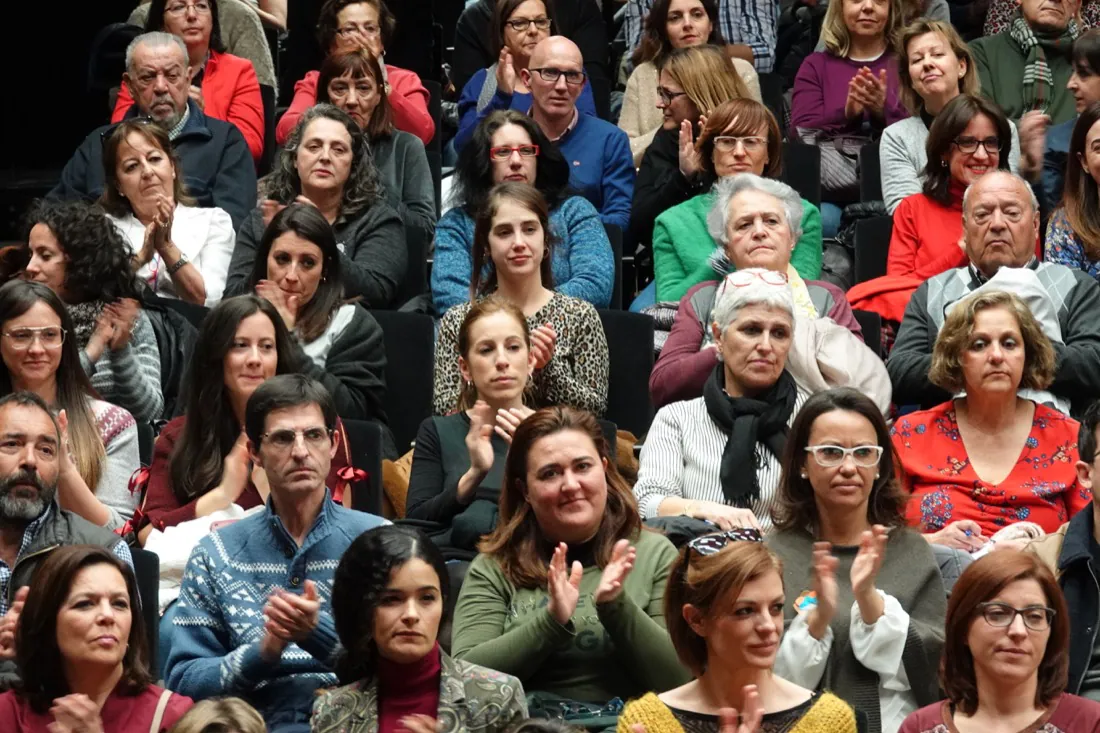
682,247
618,649
219,621
118,431
130,377
600,167
1001,65
821,91
822,713
583,265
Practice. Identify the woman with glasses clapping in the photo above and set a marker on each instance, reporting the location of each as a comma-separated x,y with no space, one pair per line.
867,616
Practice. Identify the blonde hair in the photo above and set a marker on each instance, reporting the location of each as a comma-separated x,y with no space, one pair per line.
969,84
834,32
706,75
225,715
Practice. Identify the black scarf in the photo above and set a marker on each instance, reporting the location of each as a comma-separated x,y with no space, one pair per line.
748,421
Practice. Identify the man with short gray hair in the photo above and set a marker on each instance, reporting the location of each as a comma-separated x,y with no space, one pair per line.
214,158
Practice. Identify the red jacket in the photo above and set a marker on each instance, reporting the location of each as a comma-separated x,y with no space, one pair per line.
408,100
230,92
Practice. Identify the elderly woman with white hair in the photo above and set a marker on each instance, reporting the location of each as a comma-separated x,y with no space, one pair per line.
756,223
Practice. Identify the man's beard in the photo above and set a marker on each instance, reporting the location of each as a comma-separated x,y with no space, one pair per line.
23,509
170,121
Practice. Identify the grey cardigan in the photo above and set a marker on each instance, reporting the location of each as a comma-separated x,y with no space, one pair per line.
403,167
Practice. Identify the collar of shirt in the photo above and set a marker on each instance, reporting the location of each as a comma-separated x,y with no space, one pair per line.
978,278
175,131
569,129
316,532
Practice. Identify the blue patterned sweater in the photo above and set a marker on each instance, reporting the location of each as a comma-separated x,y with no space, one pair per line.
218,621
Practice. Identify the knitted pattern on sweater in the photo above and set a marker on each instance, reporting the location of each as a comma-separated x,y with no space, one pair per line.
828,714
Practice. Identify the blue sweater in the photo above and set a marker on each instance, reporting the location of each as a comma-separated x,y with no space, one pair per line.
469,117
218,622
583,265
601,167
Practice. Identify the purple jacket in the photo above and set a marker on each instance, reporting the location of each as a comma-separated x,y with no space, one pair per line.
821,91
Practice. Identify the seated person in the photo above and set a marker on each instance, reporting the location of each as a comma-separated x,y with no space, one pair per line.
276,647
516,29
509,146
694,458
671,24
991,456
326,162
458,460
1006,600
1000,226
687,359
230,714
390,594
70,682
202,466
569,597
734,573
741,136
966,141
77,252
692,81
1026,66
872,628
850,88
181,250
298,270
999,14
512,254
935,67
223,85
1073,234
345,25
215,161
354,82
40,356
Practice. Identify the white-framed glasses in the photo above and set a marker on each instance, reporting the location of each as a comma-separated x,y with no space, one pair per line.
753,144
831,456
51,337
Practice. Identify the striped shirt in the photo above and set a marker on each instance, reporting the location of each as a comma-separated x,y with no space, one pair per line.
682,457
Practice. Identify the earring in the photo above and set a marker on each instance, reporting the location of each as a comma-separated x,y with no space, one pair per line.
803,474
943,164
876,475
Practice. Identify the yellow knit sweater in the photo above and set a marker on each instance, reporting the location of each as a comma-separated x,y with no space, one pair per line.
829,714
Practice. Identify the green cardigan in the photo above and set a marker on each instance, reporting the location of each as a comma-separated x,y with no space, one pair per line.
1001,68
619,649
682,247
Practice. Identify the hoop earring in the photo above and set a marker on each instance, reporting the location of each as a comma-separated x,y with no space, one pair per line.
943,164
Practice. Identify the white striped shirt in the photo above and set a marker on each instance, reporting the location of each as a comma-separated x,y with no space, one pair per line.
682,457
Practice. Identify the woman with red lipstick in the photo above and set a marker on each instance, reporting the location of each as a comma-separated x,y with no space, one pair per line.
81,650
390,595
1004,657
991,457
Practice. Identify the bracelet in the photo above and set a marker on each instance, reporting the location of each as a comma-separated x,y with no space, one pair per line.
179,263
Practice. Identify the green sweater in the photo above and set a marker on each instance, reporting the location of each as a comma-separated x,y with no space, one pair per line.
1000,65
619,649
682,247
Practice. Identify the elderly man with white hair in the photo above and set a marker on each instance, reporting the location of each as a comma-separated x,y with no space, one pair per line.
215,160
1000,227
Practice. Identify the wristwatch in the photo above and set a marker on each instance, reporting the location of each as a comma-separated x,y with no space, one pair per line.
179,263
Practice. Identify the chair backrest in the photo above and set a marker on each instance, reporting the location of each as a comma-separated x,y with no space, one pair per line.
615,236
147,573
771,93
267,96
434,149
802,170
107,59
417,242
410,360
870,174
365,442
872,246
630,349
871,325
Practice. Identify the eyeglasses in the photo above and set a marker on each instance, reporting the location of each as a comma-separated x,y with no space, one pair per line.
50,337
970,145
712,544
285,439
1000,615
177,9
519,25
831,456
572,78
504,152
666,96
751,145
744,278
369,31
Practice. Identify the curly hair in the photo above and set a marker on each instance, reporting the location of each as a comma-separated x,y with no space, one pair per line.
363,188
326,21
155,22
655,45
97,258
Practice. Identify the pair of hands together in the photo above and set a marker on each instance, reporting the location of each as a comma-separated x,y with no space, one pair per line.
729,719
114,327
866,93
483,423
865,569
289,618
564,582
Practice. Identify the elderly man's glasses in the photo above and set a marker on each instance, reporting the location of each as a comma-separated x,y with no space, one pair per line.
667,96
572,78
1036,618
21,339
752,145
970,145
831,456
504,152
177,9
519,25
712,544
285,439
365,30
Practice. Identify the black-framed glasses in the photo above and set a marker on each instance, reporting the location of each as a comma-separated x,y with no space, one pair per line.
504,152
572,78
710,544
284,439
831,456
1000,615
21,339
519,25
666,96
970,145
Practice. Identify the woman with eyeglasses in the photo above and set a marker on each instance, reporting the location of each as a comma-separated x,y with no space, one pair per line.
1005,654
869,603
223,86
1073,234
508,147
516,27
997,454
724,610
99,448
347,25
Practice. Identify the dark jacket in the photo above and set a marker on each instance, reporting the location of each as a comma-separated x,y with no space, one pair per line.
217,165
373,251
176,338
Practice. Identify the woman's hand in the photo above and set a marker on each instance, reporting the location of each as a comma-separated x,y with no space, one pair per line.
66,464
1033,140
75,714
564,585
729,720
162,234
544,339
420,723
268,209
726,517
479,438
690,161
10,622
872,551
866,93
235,469
195,93
508,420
824,588
124,313
101,336
148,247
964,534
616,572
287,305
506,73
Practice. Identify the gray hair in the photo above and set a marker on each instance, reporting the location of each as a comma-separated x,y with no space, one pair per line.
155,39
730,298
730,186
1014,176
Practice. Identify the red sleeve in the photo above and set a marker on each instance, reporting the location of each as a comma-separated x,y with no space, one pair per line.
953,256
246,106
161,506
305,96
409,101
682,368
123,103
905,239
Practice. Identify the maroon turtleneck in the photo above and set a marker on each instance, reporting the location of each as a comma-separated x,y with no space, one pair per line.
407,689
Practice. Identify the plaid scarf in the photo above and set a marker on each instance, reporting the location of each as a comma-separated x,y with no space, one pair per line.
1038,81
